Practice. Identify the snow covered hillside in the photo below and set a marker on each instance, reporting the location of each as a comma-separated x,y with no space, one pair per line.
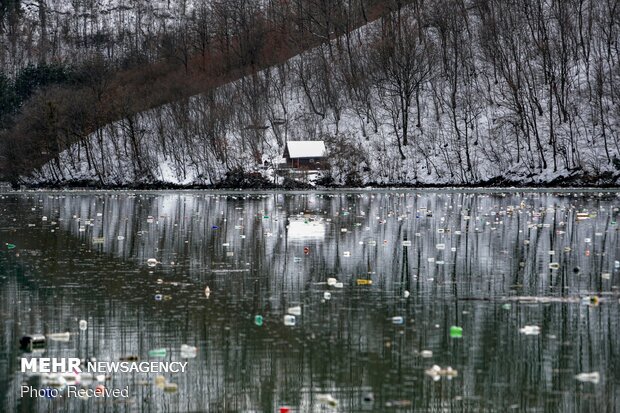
407,99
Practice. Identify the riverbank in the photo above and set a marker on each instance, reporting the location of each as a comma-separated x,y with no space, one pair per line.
252,181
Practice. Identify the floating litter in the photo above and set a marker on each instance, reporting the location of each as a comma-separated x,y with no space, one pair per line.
294,310
437,372
59,336
327,399
593,377
398,320
530,330
158,352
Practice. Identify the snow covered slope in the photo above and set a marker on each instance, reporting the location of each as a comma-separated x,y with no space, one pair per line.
468,134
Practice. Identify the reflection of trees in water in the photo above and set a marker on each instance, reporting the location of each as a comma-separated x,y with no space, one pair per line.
345,345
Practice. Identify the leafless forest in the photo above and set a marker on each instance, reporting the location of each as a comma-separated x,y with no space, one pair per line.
449,91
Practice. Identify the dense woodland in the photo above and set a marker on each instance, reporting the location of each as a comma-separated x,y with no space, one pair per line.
449,91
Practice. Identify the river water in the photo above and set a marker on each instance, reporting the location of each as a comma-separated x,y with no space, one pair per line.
412,265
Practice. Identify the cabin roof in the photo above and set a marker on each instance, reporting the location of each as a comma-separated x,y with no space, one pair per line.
305,149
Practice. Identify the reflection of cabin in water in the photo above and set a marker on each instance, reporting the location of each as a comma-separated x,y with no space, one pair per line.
305,154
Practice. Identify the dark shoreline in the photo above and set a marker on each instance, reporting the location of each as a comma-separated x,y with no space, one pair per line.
606,182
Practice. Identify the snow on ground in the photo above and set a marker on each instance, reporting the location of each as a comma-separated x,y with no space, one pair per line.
245,124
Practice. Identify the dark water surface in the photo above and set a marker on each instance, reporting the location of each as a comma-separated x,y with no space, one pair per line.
473,260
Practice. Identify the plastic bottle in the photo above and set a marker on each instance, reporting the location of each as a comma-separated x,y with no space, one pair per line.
398,320
157,352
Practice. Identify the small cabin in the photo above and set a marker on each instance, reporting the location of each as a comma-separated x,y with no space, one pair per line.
305,154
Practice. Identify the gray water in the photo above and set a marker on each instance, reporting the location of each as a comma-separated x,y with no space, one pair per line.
491,277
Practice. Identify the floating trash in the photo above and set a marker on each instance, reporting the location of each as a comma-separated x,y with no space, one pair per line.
436,372
368,397
327,399
64,337
361,281
158,352
592,301
406,294
327,295
440,246
207,291
593,377
331,281
456,332
346,254
530,330
170,387
83,325
606,276
397,320
10,246
188,352
32,342
151,262
258,320
398,403
160,381
426,354
289,320
554,265
339,285
294,310
406,243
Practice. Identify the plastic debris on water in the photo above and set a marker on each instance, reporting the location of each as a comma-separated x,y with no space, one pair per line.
59,336
530,330
426,354
437,372
294,310
327,399
397,320
593,377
